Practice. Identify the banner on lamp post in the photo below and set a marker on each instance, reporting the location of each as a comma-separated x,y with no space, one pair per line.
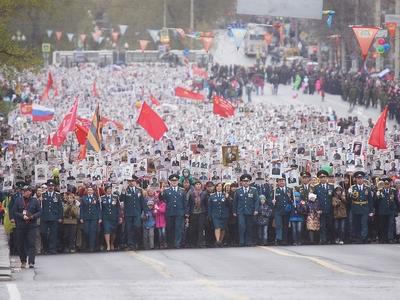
58,35
365,36
70,36
143,44
123,28
391,27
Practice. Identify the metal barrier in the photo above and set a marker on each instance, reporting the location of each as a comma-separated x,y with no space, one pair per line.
108,57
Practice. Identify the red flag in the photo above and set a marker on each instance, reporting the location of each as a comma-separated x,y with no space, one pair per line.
94,90
377,137
67,125
184,93
82,152
223,107
48,140
199,72
117,124
151,122
49,85
365,36
154,100
50,81
25,109
81,133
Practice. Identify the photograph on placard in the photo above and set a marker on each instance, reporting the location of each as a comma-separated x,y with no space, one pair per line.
230,154
350,158
151,167
292,178
276,169
357,148
8,182
396,151
41,173
63,183
320,151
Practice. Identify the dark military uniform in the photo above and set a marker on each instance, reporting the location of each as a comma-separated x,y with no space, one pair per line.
175,198
133,207
304,191
52,212
284,198
110,213
361,205
245,203
90,214
387,204
26,230
264,189
218,210
324,194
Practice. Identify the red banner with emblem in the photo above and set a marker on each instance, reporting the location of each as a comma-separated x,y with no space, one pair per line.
365,36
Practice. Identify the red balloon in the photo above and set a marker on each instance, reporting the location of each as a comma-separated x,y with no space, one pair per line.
381,41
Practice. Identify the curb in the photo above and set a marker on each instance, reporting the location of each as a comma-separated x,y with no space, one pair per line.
5,266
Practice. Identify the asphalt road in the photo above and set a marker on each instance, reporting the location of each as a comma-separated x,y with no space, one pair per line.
304,272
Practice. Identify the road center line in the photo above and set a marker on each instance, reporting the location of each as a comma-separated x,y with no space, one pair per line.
219,290
153,263
316,260
13,291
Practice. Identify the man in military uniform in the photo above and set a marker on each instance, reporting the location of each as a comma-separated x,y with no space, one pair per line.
133,207
52,215
305,187
361,206
324,192
246,205
264,189
175,198
387,204
282,199
89,217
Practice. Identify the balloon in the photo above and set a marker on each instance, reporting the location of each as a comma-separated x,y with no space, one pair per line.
56,172
380,49
381,41
386,47
328,169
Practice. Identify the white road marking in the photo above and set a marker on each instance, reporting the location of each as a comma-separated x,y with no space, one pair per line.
316,260
13,291
219,290
155,264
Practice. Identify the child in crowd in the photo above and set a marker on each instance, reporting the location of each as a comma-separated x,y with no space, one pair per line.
340,214
296,219
313,220
148,226
159,212
262,220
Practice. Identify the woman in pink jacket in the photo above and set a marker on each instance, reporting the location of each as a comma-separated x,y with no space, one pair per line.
159,212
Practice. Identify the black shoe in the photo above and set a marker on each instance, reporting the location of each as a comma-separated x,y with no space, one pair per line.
31,266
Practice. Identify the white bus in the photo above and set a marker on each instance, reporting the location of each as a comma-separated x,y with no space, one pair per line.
254,40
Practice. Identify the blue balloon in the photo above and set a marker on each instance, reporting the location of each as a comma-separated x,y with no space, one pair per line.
386,47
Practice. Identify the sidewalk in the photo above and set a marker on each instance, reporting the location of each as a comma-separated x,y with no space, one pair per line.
5,269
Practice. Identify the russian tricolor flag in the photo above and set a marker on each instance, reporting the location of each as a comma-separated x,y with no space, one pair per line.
41,113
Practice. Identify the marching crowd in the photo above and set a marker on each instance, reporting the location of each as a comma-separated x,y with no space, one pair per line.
270,174
93,218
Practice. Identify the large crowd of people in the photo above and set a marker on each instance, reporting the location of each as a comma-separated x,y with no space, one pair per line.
270,174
